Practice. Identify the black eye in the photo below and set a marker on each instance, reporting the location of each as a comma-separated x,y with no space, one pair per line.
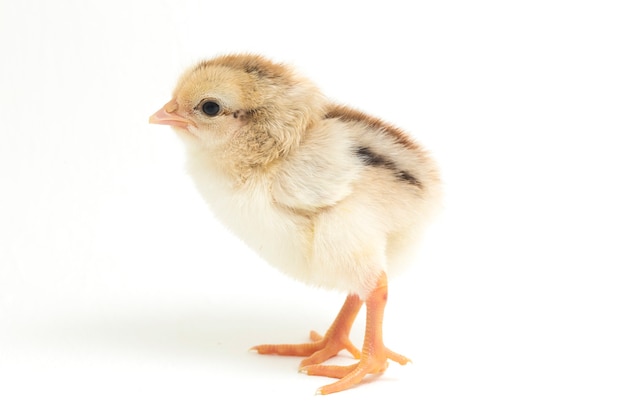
210,108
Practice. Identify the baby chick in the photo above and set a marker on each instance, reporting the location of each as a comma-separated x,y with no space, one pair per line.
328,195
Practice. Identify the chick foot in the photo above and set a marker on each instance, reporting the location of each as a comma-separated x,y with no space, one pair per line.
375,354
373,363
323,347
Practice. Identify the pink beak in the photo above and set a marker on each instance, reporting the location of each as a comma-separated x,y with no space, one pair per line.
167,116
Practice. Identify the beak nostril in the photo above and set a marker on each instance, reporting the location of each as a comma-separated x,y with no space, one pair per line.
171,106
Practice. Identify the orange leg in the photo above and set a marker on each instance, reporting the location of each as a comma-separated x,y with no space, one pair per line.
374,355
323,348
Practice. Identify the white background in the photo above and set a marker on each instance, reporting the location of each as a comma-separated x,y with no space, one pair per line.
121,295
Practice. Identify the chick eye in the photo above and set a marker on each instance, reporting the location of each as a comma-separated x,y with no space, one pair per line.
210,108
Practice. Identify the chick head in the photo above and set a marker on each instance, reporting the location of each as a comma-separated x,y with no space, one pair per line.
243,106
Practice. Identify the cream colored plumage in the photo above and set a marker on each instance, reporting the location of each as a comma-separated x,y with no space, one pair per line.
328,195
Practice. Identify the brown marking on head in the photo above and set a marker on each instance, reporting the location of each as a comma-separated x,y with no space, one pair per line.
256,65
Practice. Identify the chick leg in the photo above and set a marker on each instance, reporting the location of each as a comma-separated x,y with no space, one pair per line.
374,354
322,348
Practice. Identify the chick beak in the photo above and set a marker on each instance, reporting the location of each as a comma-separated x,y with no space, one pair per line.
167,116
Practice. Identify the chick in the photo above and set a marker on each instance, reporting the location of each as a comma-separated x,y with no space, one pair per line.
325,193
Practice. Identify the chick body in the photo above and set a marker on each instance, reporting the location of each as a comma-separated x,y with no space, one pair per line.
326,194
